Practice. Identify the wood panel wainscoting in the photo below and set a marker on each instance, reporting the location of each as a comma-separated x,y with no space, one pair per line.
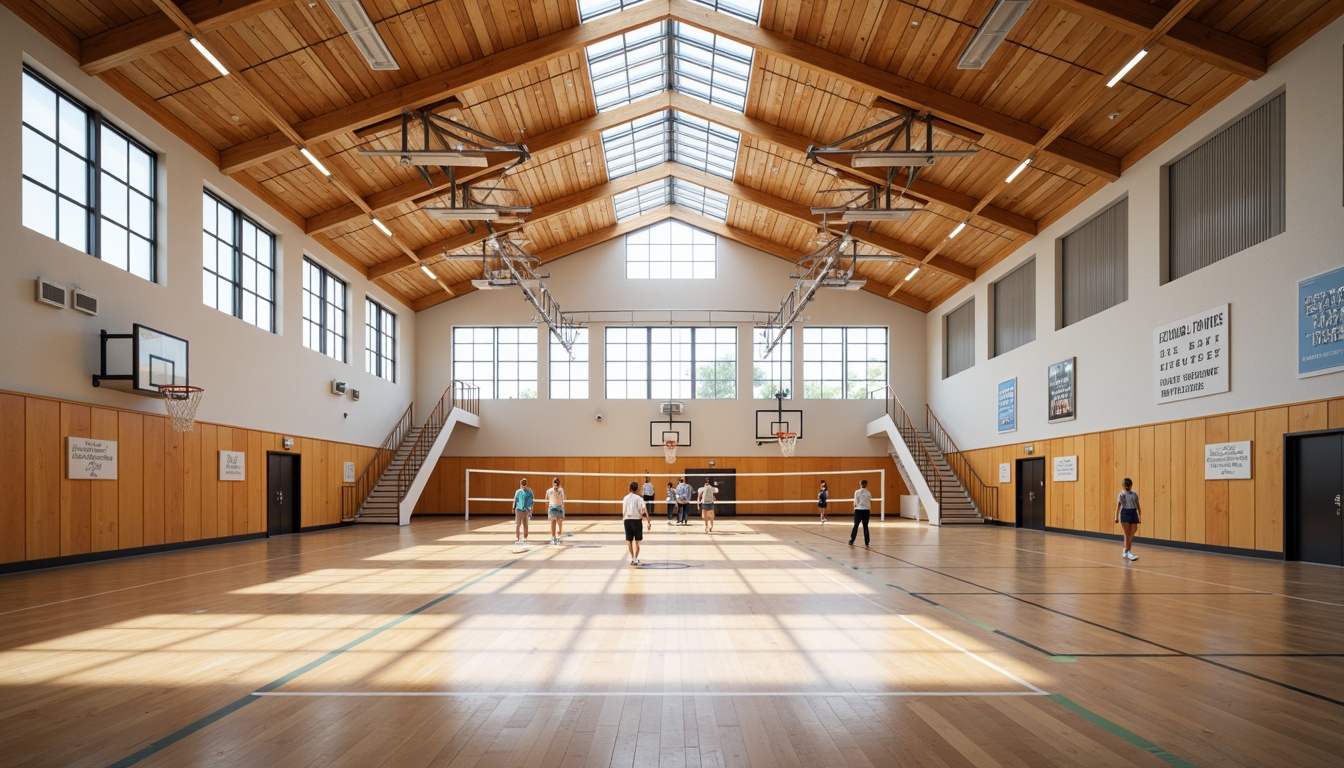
167,489
446,492
1166,463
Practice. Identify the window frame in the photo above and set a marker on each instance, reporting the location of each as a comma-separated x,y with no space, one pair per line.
562,369
491,338
380,340
842,359
762,366
324,328
671,268
241,261
651,352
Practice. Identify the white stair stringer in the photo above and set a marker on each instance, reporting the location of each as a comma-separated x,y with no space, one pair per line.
383,506
909,468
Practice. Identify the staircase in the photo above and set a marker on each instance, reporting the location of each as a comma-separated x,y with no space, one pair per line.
935,469
391,484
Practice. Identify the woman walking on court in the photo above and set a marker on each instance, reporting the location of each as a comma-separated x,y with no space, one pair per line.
821,501
633,515
671,503
863,508
555,510
1127,515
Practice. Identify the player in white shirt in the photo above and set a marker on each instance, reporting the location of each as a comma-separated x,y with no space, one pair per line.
634,514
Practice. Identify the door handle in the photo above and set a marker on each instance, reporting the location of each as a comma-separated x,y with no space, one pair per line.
280,497
1031,495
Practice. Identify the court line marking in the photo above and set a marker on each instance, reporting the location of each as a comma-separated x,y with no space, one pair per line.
228,709
647,694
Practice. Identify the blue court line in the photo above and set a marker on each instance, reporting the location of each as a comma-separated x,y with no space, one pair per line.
228,709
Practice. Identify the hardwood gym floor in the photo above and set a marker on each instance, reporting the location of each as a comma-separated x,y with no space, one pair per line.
779,645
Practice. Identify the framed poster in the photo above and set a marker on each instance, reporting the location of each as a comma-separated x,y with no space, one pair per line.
88,459
1191,356
1008,405
1320,324
1065,469
1063,396
232,466
1227,461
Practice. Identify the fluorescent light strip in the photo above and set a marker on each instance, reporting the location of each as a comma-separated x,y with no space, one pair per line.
1019,169
955,232
210,57
913,272
1125,70
380,225
313,159
425,268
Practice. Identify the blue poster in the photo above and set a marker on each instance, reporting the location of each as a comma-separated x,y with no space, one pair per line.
1008,406
1320,323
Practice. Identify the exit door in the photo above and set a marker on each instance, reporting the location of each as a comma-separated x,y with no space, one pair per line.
1031,493
282,493
1315,482
724,479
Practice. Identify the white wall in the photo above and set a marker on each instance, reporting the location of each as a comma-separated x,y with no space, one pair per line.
593,280
252,378
1114,348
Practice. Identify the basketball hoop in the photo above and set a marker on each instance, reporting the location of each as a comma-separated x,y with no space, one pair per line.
181,402
670,451
788,442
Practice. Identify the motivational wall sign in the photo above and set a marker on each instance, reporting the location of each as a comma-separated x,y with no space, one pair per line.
1191,356
232,466
1008,405
89,459
1063,396
1066,469
1227,461
1320,324
349,471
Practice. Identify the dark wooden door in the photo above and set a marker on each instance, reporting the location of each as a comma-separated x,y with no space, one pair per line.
282,494
724,479
1031,493
1317,473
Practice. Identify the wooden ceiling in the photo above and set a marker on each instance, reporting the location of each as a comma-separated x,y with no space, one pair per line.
822,69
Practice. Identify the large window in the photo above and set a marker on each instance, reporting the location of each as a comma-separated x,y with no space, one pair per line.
1228,193
670,54
671,363
239,258
1094,265
959,339
501,361
774,372
380,341
844,363
86,182
670,250
323,311
569,370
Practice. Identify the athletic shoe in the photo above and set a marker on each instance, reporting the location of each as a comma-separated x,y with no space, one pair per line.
636,561
517,541
632,562
851,542
823,519
1130,555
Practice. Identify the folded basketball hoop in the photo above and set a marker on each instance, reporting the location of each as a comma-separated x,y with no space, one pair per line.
788,442
181,402
670,451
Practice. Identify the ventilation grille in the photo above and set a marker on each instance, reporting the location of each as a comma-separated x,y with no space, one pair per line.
51,293
84,302
363,34
670,408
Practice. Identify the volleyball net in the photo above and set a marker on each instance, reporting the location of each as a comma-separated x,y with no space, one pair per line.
490,491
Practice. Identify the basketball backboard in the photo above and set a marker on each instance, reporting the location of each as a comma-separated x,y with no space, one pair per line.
662,431
143,360
771,421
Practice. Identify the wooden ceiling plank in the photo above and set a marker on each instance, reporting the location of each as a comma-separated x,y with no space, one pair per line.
37,17
150,34
900,89
1187,36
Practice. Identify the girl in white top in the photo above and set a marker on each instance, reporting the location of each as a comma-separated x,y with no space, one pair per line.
633,514
555,510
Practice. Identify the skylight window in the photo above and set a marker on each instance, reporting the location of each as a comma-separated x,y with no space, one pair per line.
656,194
643,199
670,54
697,198
670,136
749,10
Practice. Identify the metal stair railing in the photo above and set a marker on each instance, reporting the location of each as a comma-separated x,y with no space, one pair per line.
986,497
354,496
923,459
459,394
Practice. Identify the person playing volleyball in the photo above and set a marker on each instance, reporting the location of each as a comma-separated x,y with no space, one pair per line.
707,495
633,515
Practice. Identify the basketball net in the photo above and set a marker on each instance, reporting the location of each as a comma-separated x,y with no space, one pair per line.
181,402
670,451
788,442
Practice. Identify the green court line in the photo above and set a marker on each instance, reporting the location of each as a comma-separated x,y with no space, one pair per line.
1123,733
228,709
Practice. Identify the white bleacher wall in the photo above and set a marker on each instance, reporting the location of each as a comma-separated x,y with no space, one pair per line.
594,279
1114,348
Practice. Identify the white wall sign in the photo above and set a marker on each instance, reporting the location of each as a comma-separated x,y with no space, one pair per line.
232,465
1066,469
89,459
1191,356
1005,473
1227,461
349,472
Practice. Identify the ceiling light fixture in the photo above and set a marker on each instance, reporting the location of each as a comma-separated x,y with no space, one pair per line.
429,157
957,231
313,159
381,226
210,57
425,268
913,272
363,34
1125,69
913,159
1020,168
479,213
1000,21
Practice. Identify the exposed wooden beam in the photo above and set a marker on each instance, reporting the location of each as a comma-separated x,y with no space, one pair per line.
542,142
37,17
436,87
150,34
798,143
899,89
1187,36
803,213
